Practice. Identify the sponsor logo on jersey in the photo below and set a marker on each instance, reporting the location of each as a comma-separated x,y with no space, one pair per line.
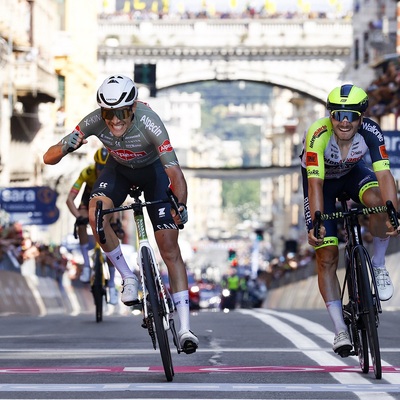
165,147
92,120
312,173
317,134
311,159
128,155
151,126
353,160
383,152
373,129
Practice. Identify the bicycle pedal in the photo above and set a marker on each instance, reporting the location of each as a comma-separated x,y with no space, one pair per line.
189,347
344,351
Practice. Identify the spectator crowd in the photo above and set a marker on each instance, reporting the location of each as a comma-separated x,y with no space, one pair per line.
16,247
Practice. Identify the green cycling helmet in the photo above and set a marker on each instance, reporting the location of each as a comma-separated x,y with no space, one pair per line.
347,97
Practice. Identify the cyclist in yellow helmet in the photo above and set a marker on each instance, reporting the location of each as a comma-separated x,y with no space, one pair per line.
333,163
87,177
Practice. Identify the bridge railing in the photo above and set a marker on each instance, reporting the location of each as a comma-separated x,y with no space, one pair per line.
279,32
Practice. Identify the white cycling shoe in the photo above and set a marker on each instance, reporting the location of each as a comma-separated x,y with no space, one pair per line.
188,341
383,283
341,343
129,293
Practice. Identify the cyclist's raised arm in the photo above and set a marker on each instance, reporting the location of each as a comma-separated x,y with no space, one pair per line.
66,145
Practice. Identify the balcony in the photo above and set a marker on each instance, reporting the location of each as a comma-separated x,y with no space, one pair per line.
34,79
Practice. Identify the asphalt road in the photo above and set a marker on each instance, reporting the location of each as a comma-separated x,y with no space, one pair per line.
244,354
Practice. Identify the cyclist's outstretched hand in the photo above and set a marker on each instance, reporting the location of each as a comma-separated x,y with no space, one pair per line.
73,141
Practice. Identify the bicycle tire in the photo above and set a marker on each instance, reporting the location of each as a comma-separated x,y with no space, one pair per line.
97,286
157,311
356,330
368,309
349,304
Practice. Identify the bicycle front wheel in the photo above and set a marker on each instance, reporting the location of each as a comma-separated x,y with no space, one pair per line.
157,313
367,309
97,286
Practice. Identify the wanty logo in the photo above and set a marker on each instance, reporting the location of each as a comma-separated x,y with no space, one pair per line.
128,155
165,147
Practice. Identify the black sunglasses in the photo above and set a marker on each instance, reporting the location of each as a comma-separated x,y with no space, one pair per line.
341,115
120,113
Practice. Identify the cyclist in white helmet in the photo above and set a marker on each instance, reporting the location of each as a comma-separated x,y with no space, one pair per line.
140,155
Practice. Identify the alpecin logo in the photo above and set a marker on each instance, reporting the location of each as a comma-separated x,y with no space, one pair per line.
165,147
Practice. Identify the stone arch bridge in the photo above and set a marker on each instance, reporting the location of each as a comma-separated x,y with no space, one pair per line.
306,56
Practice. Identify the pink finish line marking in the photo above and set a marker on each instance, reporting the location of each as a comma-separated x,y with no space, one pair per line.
191,369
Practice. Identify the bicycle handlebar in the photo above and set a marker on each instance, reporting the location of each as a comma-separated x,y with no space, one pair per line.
99,213
389,209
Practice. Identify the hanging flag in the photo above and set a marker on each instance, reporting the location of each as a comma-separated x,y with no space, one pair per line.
139,5
165,6
154,7
127,6
233,4
270,6
181,7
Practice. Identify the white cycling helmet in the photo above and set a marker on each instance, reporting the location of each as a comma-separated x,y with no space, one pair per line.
117,91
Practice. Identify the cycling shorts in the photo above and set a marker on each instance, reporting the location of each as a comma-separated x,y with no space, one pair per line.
354,183
116,180
84,204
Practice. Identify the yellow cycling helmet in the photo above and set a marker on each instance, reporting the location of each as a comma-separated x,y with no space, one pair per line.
101,156
347,97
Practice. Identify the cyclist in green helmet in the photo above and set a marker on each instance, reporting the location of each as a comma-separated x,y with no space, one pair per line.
333,163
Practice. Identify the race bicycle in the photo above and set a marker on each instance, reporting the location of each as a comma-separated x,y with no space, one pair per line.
98,279
360,298
155,302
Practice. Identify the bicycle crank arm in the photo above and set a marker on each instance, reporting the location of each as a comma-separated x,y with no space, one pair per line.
175,335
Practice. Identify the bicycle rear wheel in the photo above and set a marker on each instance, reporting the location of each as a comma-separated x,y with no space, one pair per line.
158,313
97,286
368,310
